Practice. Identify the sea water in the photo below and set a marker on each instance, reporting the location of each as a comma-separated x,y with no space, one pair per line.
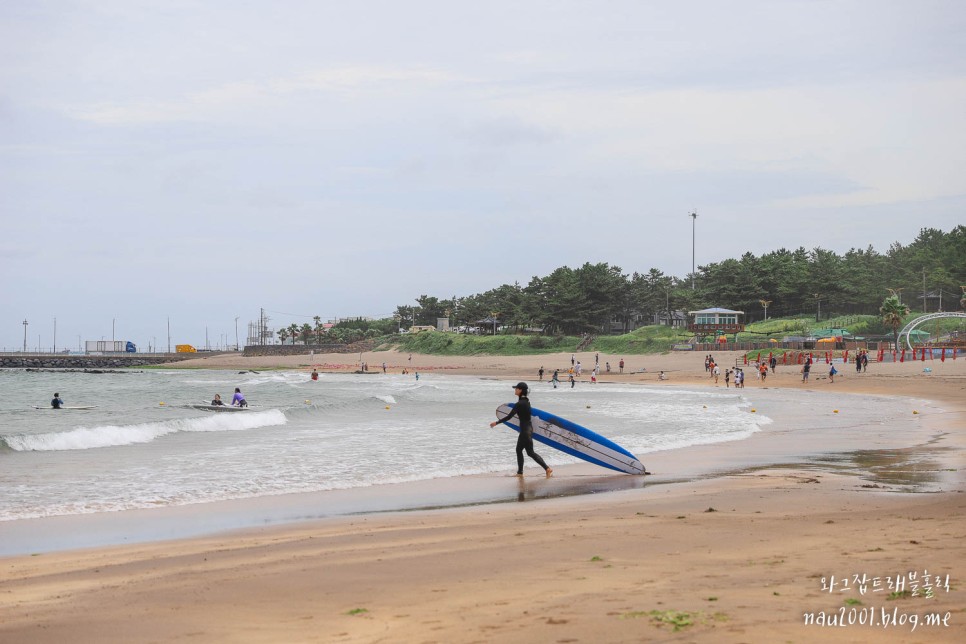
142,447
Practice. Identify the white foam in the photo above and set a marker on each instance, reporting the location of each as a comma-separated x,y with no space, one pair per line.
116,435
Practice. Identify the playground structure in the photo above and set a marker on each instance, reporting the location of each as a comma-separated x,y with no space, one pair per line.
907,330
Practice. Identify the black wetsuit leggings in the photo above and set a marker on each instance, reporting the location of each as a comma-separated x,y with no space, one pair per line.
525,443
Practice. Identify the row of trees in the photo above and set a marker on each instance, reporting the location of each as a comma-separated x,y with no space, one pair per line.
343,332
929,272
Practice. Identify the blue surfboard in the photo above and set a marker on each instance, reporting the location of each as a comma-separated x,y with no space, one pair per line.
571,438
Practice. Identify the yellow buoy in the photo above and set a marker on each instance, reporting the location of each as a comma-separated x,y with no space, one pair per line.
914,411
835,411
161,403
387,406
753,410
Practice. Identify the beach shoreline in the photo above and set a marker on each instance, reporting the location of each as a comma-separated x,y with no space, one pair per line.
592,563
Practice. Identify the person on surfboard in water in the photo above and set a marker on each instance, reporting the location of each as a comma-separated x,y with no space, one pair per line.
238,400
525,441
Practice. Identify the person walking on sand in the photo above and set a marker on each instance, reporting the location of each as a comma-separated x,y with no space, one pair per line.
727,378
238,400
540,373
620,365
715,372
523,411
805,369
831,373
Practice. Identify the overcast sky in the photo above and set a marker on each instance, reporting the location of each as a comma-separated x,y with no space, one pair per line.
198,160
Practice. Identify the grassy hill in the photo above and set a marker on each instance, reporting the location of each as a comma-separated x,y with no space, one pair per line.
649,339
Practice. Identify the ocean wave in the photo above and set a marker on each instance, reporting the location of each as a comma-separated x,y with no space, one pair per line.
119,435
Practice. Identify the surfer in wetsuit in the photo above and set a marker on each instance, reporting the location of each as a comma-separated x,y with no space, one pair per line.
217,401
525,441
56,403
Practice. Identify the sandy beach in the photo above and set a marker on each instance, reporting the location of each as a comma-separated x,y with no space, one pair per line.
798,550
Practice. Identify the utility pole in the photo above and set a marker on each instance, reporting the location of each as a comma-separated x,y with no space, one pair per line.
25,335
694,220
923,290
236,333
169,334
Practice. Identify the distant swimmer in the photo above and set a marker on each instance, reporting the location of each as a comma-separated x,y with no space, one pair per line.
56,403
315,374
238,400
217,401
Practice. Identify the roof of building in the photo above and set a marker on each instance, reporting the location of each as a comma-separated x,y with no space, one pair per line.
716,309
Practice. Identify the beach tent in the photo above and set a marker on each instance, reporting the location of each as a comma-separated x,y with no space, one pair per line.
829,333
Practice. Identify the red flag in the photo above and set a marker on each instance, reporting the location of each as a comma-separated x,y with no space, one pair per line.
923,355
942,356
758,359
785,358
902,357
746,358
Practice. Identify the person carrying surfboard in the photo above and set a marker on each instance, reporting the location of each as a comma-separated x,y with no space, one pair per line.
525,441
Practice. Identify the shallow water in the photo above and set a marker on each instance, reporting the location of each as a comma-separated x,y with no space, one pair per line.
344,431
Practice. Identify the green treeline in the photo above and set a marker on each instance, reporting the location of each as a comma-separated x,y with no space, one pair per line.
575,301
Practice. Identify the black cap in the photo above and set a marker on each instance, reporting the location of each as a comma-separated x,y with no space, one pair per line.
523,386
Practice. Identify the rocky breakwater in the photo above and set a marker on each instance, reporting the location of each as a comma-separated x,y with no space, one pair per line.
81,362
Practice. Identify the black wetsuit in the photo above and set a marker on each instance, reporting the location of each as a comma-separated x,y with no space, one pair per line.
525,442
56,403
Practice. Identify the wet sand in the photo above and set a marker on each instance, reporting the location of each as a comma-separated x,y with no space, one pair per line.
726,543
